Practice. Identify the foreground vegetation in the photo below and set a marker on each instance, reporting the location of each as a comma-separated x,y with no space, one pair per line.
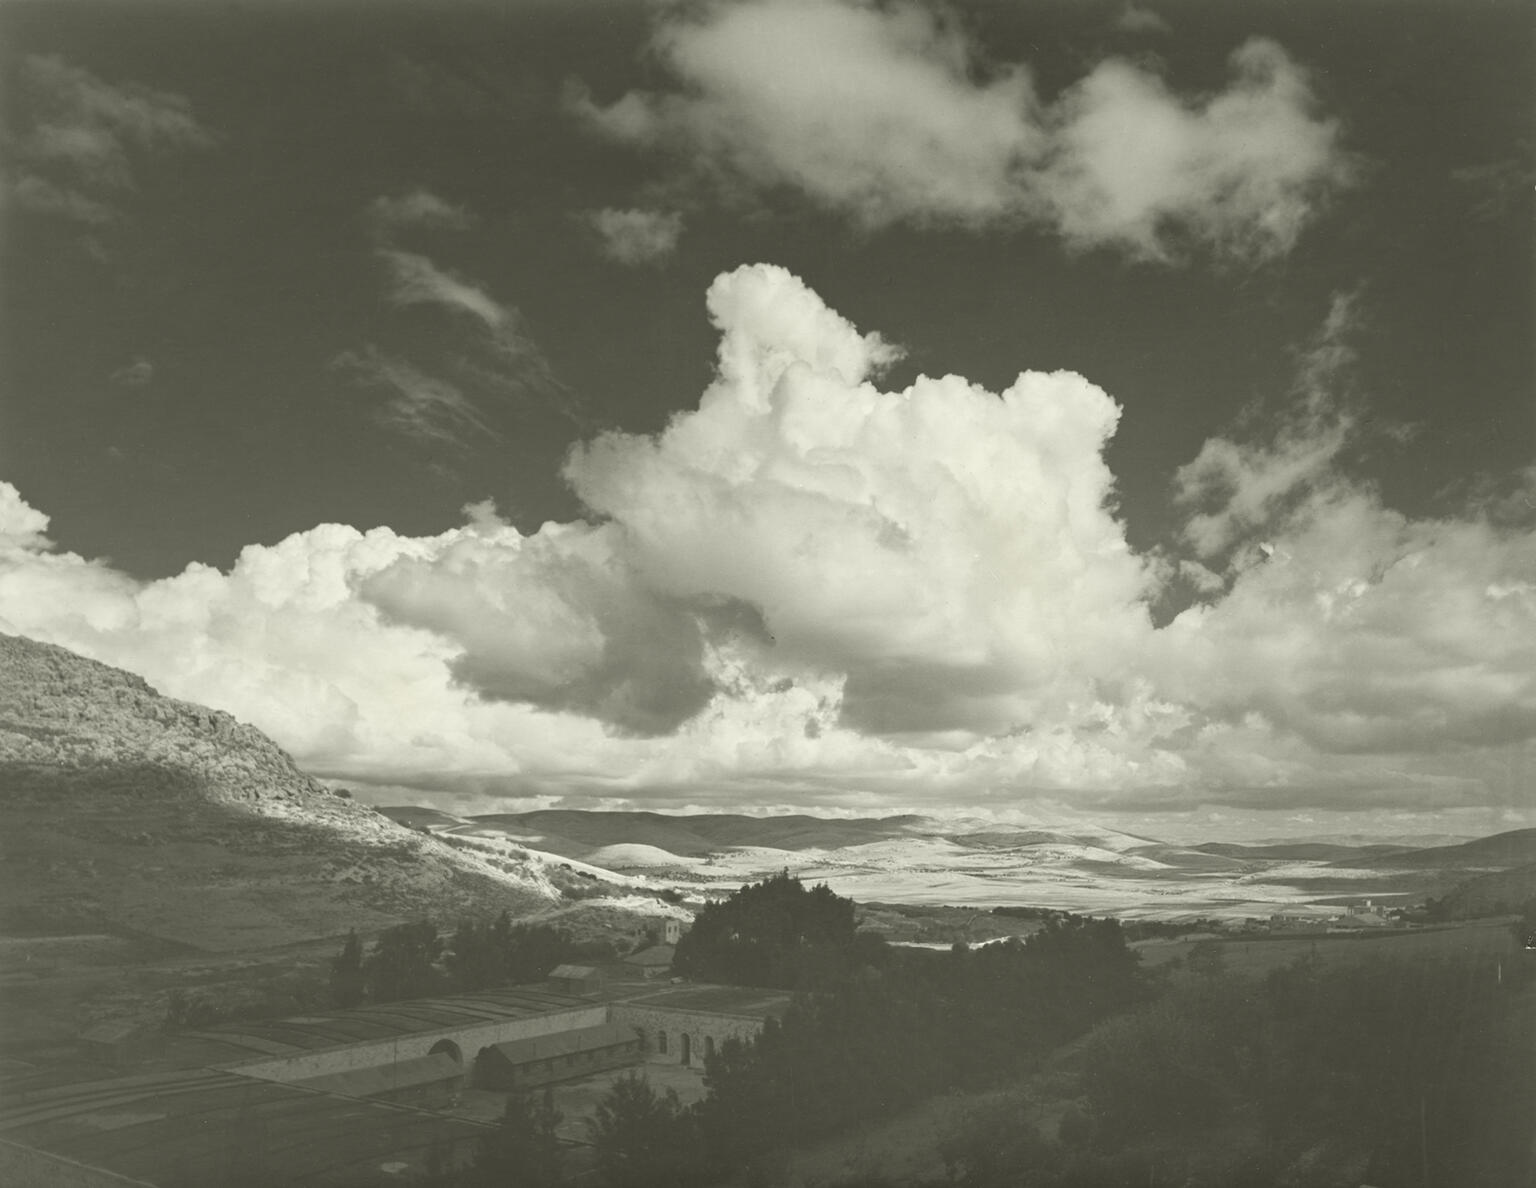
1412,1074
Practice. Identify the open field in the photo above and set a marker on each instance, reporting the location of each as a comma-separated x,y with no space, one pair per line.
1474,941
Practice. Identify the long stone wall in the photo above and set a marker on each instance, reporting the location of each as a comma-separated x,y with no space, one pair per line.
699,1026
372,1053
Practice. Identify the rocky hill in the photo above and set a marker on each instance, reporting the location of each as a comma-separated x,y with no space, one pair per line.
125,811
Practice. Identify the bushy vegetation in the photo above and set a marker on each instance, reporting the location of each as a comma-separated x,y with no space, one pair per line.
643,1139
1389,1074
414,961
774,933
912,1024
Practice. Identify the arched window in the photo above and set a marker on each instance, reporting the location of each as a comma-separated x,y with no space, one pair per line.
709,1046
687,1045
661,1042
447,1045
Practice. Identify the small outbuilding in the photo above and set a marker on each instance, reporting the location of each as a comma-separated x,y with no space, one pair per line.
653,961
580,980
117,1043
563,1056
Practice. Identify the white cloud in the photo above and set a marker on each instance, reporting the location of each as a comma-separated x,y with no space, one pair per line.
1367,633
892,114
811,591
636,236
941,546
1241,172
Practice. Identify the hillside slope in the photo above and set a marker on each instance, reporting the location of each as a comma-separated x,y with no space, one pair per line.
1492,894
125,811
1501,851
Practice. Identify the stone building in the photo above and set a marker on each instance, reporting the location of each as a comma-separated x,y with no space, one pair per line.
545,1060
686,1024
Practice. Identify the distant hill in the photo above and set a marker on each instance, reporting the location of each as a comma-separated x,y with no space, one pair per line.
1501,851
580,833
125,811
1340,855
690,835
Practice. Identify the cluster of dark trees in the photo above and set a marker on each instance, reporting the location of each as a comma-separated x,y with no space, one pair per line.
1383,1073
894,1032
416,961
777,933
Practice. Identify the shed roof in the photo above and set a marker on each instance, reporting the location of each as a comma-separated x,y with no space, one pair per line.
386,1078
573,973
113,1032
653,955
564,1043
227,1042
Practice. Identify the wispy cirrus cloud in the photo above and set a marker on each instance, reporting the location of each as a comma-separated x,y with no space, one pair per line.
1234,487
419,208
896,117
80,135
421,406
484,366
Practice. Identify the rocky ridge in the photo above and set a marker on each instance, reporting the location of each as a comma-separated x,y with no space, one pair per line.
121,808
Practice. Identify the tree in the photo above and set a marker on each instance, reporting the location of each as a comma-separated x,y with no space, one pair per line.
403,963
643,1140
347,980
524,1150
772,933
476,958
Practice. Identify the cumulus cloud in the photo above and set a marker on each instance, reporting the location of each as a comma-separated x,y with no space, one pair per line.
929,543
1363,632
895,116
75,152
636,236
812,591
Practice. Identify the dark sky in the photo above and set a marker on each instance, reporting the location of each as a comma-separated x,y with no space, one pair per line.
205,304
241,270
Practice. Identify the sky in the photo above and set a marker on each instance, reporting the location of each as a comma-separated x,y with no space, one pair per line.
1049,411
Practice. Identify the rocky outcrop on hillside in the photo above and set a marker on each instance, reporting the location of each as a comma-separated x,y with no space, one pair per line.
121,808
61,711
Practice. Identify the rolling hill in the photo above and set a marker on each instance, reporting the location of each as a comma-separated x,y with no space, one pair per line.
129,813
1492,894
1501,851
